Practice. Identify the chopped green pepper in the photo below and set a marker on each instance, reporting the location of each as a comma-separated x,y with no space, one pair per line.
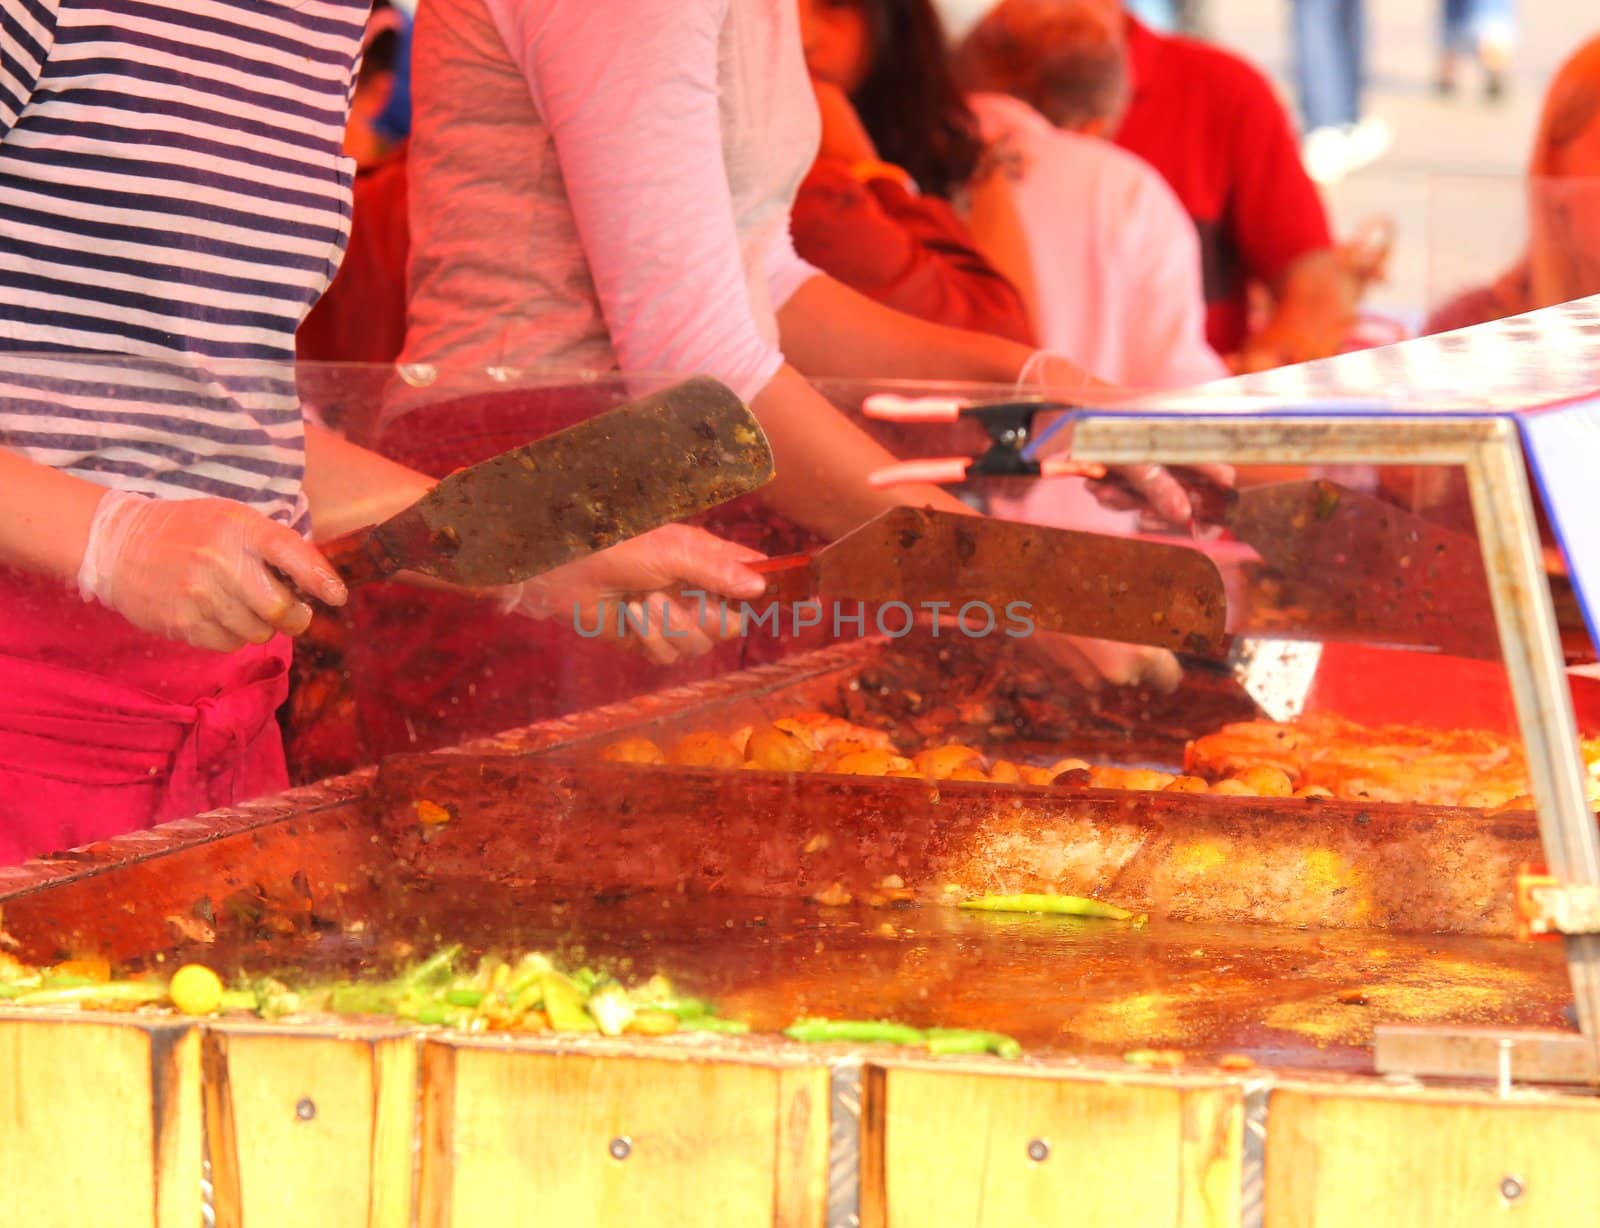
1059,905
563,1003
963,1040
864,1031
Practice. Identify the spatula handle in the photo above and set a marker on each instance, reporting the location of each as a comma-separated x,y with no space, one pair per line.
788,576
359,557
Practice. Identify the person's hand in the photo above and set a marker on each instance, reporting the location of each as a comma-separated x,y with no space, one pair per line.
209,572
1100,663
671,582
1146,488
1153,491
843,135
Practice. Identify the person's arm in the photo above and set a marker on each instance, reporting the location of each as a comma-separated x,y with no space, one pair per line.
634,112
1314,308
830,331
349,487
205,571
905,251
1280,226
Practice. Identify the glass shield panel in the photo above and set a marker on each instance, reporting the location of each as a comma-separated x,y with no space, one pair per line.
1276,801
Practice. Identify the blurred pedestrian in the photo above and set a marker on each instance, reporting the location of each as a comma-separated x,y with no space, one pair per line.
1330,76
1562,259
1484,30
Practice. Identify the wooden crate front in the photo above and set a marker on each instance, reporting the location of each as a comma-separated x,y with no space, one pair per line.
99,1122
514,1136
953,1147
311,1128
1360,1158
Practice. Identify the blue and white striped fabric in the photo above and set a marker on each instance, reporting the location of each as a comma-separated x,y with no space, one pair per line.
173,193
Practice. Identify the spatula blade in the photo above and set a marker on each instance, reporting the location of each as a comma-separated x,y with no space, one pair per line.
1088,584
595,484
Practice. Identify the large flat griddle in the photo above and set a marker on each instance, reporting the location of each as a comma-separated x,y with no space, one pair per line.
1281,930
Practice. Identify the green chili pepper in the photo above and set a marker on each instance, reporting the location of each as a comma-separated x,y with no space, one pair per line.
963,1040
238,1000
87,995
464,997
434,967
864,1031
683,1007
363,999
711,1023
1059,905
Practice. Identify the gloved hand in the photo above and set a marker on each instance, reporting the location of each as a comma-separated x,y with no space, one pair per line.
648,577
201,570
1147,488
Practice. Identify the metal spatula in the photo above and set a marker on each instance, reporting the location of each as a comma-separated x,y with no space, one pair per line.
1089,584
602,481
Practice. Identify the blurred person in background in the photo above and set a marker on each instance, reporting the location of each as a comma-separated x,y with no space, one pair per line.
1562,259
1114,262
1212,125
1330,69
1481,30
869,224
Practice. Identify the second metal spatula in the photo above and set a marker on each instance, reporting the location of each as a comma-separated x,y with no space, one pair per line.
1088,584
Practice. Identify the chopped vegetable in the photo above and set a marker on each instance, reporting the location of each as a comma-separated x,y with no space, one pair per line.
1059,905
109,993
195,990
563,1002
864,1031
612,1010
962,1040
431,814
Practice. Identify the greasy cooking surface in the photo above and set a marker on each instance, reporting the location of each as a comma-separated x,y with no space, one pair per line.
1292,998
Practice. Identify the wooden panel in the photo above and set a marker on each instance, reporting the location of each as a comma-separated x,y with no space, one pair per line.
955,1150
526,1137
99,1123
1349,1160
312,1130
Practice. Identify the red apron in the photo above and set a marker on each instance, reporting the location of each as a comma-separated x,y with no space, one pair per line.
105,729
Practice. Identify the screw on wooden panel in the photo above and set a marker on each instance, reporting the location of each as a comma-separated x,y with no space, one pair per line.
621,1147
1511,1188
1038,1151
306,1109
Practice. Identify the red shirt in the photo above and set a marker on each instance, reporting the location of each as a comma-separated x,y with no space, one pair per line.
1211,124
912,253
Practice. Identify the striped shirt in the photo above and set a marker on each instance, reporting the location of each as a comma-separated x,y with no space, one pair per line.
173,199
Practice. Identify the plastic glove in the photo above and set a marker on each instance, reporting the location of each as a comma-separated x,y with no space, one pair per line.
670,581
201,570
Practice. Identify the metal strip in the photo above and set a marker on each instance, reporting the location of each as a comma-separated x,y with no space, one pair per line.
1434,439
1253,1168
1484,1053
844,1143
1502,506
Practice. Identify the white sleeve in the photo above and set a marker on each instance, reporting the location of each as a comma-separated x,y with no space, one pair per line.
786,272
1167,345
631,102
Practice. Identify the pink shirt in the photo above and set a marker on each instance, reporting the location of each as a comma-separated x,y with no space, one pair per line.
607,186
1116,261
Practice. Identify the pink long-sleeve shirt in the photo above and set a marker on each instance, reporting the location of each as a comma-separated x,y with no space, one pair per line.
606,184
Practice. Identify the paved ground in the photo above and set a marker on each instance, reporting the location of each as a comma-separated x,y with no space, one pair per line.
1451,179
